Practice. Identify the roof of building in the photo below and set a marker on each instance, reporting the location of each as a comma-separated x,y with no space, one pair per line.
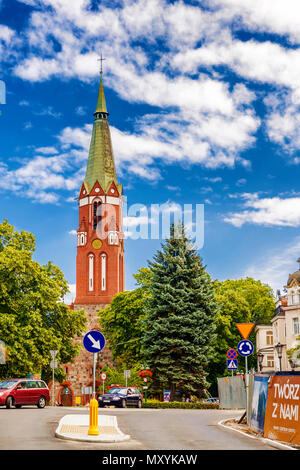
101,164
101,104
295,275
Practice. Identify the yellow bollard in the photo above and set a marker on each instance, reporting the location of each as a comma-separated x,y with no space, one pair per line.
93,429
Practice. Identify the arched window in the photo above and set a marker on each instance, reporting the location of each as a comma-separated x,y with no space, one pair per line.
91,272
97,216
103,271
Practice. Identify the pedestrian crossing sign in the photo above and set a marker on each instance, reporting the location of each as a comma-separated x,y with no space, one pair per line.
231,364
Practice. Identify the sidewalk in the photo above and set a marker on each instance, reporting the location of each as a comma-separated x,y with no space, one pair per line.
75,427
243,428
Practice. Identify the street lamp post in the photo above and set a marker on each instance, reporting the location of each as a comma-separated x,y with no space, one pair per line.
260,360
278,348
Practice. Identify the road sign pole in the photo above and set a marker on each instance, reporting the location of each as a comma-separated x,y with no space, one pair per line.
94,374
53,353
53,389
247,387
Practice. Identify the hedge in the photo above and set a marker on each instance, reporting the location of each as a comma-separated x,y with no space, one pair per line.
179,404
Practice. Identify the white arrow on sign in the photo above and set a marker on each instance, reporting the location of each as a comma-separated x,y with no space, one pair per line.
96,344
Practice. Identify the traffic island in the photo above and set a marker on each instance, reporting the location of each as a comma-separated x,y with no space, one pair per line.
76,427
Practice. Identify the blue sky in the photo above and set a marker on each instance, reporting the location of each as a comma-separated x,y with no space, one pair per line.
204,101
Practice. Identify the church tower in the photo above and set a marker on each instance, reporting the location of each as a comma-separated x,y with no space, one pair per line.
100,250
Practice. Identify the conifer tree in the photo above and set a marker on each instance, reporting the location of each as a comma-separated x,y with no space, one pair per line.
180,316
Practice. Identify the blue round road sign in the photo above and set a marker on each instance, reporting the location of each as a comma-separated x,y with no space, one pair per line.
94,341
245,348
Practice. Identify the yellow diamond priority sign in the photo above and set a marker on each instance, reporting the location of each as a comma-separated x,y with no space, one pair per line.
244,329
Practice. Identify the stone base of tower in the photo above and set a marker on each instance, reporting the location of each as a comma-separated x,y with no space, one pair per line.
80,372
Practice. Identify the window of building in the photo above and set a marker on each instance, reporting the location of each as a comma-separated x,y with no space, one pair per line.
296,326
269,337
91,272
270,361
97,216
66,370
293,298
103,272
81,239
113,238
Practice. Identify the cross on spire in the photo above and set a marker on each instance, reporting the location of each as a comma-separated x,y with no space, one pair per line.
101,63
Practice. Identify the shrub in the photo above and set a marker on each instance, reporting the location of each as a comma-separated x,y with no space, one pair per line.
179,404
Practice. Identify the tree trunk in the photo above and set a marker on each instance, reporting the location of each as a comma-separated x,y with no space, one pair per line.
173,390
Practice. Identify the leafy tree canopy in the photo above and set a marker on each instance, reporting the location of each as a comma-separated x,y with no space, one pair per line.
122,321
240,301
33,318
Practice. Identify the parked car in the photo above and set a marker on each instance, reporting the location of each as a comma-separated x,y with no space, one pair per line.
211,400
121,397
19,392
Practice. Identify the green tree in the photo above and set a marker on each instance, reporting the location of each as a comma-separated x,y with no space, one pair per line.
33,318
115,376
122,321
240,301
180,316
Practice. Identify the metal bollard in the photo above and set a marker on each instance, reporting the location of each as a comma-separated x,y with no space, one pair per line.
93,429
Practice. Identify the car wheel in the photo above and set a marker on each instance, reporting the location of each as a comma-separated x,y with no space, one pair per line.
124,404
41,403
18,406
139,405
9,402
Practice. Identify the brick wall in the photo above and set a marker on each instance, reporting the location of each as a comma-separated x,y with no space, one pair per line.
80,372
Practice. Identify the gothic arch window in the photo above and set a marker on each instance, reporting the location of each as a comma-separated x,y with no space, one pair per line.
103,263
91,272
97,215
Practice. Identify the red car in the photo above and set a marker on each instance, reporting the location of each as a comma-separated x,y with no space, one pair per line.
19,392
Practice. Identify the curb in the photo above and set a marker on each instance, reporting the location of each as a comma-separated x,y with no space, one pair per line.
277,445
75,428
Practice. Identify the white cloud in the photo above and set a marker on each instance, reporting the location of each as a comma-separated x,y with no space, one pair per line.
275,266
46,150
274,16
199,118
70,296
274,211
212,124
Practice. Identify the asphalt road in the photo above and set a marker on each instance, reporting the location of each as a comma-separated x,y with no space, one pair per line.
30,428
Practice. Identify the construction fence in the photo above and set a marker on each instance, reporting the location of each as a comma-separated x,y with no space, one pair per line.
273,405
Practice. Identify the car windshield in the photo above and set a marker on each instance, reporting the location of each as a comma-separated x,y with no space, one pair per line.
8,383
119,391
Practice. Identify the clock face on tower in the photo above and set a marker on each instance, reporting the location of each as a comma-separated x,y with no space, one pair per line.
96,244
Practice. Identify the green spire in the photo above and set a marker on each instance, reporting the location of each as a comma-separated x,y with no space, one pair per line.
101,104
101,165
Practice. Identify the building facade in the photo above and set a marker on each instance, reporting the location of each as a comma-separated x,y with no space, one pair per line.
283,334
100,250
